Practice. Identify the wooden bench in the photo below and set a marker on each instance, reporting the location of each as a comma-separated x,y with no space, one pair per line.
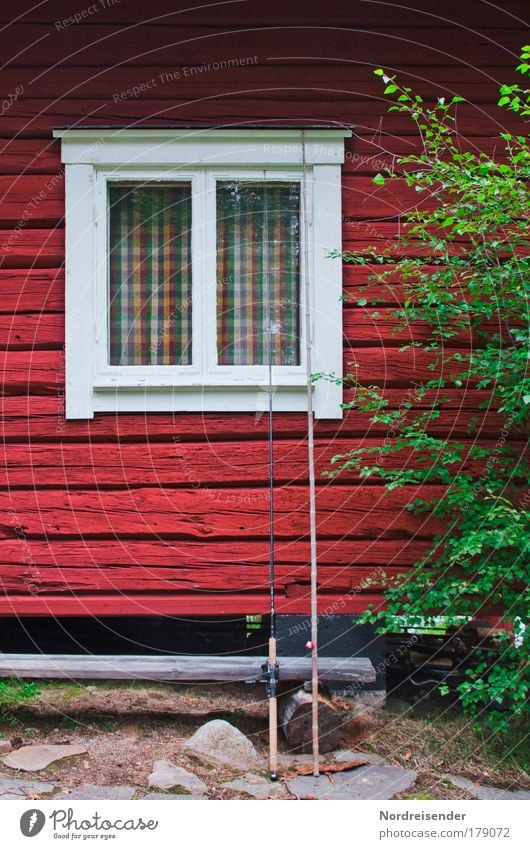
185,668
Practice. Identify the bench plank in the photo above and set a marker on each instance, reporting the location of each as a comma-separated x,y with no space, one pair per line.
179,668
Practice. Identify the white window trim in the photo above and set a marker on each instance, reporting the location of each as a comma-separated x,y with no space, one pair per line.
92,158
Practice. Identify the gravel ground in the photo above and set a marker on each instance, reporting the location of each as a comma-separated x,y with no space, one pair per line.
125,728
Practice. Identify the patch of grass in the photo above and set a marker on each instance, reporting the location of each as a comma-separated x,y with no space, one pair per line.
512,748
423,797
13,694
61,692
50,795
69,722
13,691
430,786
65,690
454,743
56,766
106,685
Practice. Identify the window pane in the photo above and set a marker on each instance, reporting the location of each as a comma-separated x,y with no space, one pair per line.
150,274
258,262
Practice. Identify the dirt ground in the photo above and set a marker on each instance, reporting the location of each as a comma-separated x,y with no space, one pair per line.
125,728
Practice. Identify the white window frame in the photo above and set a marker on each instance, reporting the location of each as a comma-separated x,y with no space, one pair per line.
92,159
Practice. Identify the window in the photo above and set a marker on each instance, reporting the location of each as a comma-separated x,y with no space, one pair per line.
189,256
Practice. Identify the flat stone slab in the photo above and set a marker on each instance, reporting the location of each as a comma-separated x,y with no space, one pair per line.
167,775
170,797
257,786
290,761
17,788
479,791
222,744
344,755
96,791
366,782
33,758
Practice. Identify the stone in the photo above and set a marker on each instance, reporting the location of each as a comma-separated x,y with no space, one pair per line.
479,791
310,787
257,786
290,760
95,791
222,744
366,782
170,796
347,755
5,746
33,758
167,776
18,788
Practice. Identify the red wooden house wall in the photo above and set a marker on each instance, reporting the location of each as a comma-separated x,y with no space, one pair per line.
137,514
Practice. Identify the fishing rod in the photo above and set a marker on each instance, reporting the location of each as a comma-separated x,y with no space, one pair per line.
273,669
313,644
272,666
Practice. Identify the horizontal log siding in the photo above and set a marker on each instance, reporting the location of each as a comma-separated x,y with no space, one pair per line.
168,514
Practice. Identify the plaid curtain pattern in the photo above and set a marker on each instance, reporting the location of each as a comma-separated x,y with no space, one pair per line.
150,274
258,256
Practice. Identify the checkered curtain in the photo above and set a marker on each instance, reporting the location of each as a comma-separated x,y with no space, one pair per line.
258,256
150,274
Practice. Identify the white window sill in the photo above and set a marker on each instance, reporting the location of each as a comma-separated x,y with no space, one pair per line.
186,399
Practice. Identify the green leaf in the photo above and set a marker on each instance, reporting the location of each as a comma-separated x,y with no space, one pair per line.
468,270
379,180
379,72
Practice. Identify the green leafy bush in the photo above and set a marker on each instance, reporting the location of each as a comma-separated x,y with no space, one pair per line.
470,277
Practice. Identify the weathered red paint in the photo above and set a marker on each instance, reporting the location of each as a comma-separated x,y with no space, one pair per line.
164,513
